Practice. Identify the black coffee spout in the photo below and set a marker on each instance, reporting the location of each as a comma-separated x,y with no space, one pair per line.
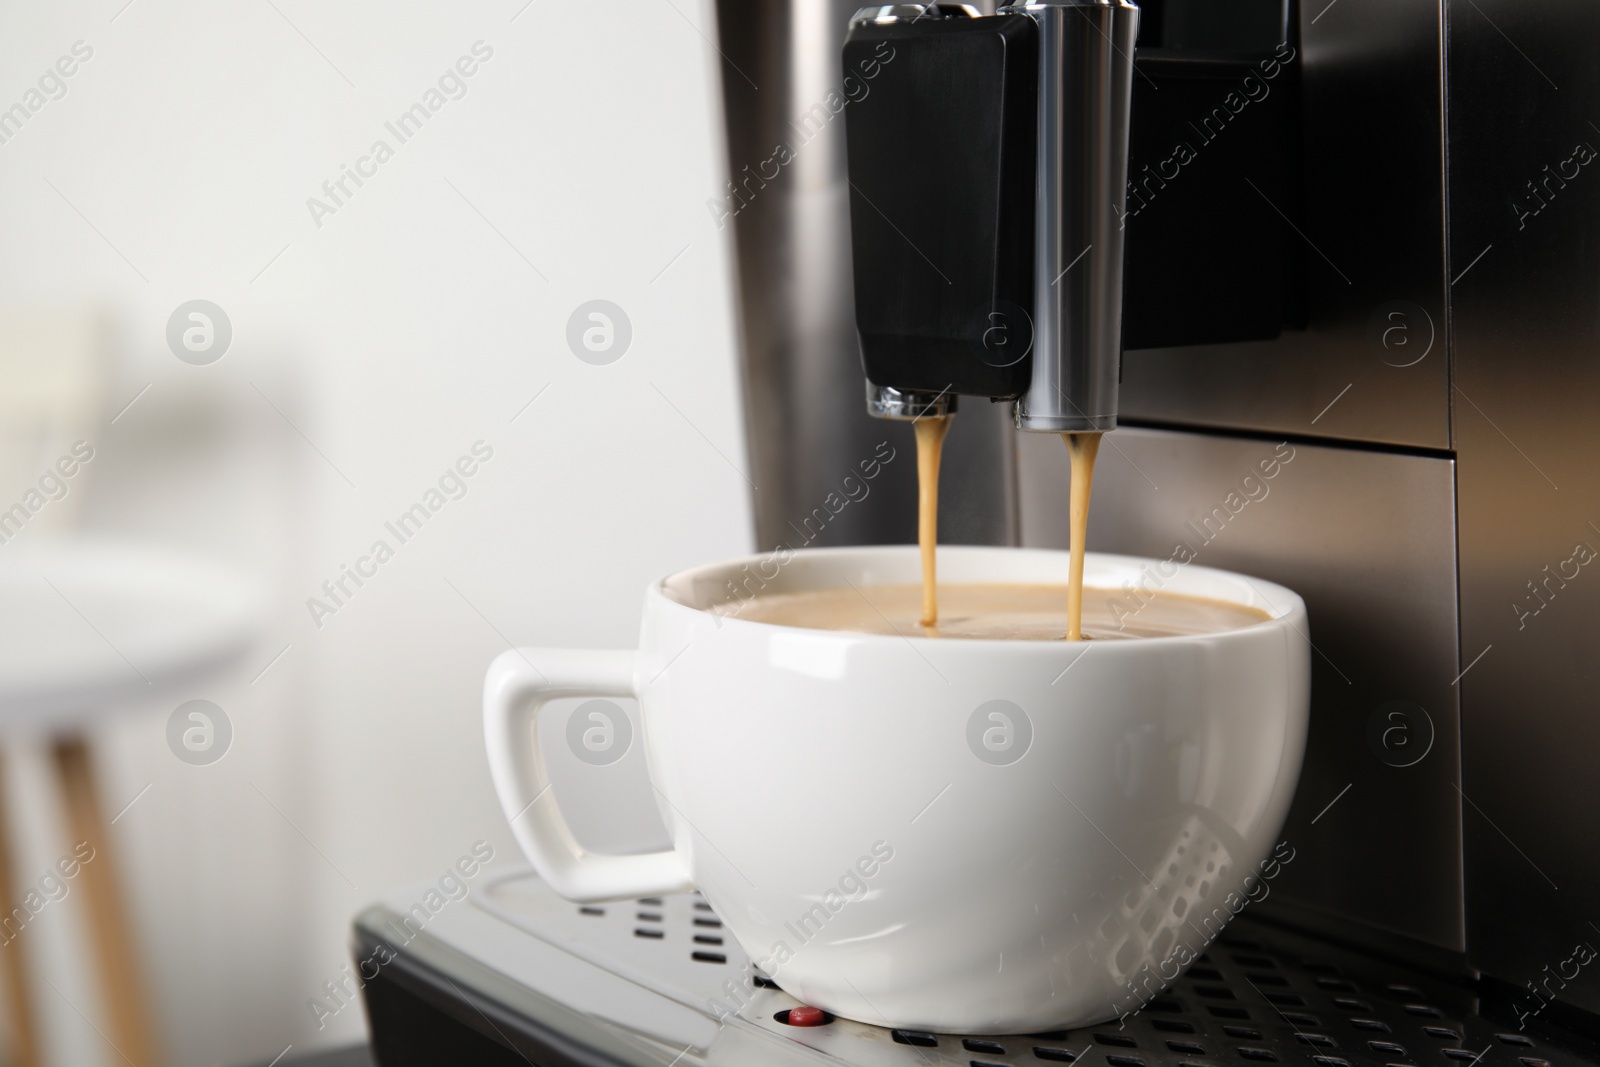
987,165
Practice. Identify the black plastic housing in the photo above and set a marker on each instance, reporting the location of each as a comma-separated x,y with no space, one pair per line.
1213,184
941,171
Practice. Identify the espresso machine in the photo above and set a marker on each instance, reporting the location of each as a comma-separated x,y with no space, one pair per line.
1349,239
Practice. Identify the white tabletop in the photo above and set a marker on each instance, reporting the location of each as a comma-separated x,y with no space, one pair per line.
86,626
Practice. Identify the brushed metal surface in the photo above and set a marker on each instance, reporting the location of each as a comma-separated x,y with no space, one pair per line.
806,430
1368,538
1374,231
1085,94
1523,82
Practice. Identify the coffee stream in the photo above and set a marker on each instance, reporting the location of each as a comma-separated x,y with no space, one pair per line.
930,445
1082,447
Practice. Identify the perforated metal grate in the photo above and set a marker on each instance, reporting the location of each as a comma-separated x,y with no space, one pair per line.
1259,995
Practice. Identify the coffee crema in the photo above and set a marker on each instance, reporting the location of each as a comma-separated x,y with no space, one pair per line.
996,611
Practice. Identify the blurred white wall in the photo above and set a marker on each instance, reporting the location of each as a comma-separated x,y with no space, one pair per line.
368,353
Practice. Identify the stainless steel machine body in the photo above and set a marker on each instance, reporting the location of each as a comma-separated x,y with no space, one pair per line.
1522,277
1441,504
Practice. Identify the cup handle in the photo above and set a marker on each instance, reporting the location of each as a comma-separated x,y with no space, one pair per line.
513,693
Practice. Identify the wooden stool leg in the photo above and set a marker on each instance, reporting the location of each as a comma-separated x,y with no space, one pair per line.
19,994
129,1016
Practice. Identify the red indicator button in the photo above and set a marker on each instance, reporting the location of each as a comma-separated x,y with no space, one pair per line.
806,1015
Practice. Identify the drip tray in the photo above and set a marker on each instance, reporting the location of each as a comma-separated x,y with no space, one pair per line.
516,975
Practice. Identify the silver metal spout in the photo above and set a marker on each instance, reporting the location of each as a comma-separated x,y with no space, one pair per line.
884,402
886,14
1085,90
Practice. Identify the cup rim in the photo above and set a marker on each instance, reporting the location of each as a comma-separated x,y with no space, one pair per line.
1282,604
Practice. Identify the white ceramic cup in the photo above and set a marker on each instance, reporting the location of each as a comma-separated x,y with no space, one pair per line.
949,835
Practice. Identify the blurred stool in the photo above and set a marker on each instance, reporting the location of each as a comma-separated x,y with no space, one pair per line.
89,628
